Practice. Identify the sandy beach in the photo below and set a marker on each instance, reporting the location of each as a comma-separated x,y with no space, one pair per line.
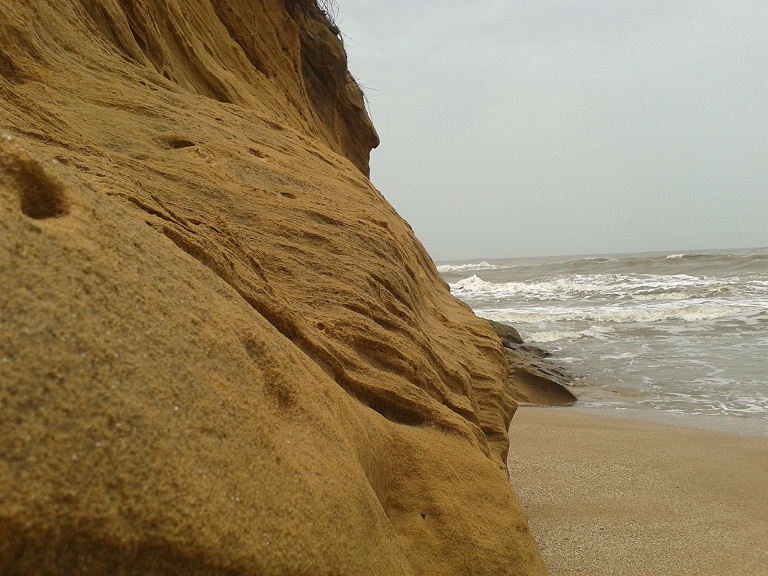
608,494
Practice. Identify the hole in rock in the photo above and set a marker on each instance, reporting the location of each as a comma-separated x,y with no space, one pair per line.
177,143
41,196
8,69
288,195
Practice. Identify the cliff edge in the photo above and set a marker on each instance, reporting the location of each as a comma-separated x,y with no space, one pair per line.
221,350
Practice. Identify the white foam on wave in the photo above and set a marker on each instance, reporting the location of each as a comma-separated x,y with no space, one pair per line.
622,356
478,266
638,286
695,312
534,332
681,335
681,403
553,336
747,405
547,336
597,260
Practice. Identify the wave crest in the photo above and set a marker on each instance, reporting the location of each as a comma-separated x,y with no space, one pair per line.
468,267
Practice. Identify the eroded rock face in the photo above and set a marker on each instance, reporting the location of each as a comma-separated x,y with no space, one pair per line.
221,350
533,378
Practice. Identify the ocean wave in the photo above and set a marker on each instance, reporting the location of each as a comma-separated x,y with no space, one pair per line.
606,315
594,260
548,336
719,255
685,293
699,262
735,263
637,286
696,403
552,336
468,267
677,331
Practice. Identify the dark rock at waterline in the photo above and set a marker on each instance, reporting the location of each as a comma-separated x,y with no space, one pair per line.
508,335
533,377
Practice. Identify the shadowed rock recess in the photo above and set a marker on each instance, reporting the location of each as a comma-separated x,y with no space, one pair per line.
221,350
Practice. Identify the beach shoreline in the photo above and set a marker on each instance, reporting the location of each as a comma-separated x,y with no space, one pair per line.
726,424
642,492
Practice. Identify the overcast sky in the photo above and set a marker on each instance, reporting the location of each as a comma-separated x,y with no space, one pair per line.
544,127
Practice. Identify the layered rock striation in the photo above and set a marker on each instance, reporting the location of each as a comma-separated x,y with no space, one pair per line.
221,350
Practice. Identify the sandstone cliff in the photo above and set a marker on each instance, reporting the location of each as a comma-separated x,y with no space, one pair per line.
221,351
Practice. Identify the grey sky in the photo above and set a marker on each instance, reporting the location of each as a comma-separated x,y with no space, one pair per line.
523,128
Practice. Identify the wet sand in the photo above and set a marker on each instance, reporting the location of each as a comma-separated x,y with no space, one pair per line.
611,494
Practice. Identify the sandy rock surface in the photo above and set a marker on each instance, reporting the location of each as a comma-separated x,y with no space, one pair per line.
221,350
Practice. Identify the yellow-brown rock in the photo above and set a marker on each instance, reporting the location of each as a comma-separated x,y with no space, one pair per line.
221,350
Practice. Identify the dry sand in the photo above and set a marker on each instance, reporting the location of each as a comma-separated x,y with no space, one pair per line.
607,494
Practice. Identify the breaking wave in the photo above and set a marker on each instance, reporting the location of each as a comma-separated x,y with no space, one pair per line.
453,268
677,331
637,287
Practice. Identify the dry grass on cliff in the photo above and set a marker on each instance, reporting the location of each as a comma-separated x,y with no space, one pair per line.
330,8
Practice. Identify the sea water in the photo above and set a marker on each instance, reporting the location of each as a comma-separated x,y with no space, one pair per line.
676,332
